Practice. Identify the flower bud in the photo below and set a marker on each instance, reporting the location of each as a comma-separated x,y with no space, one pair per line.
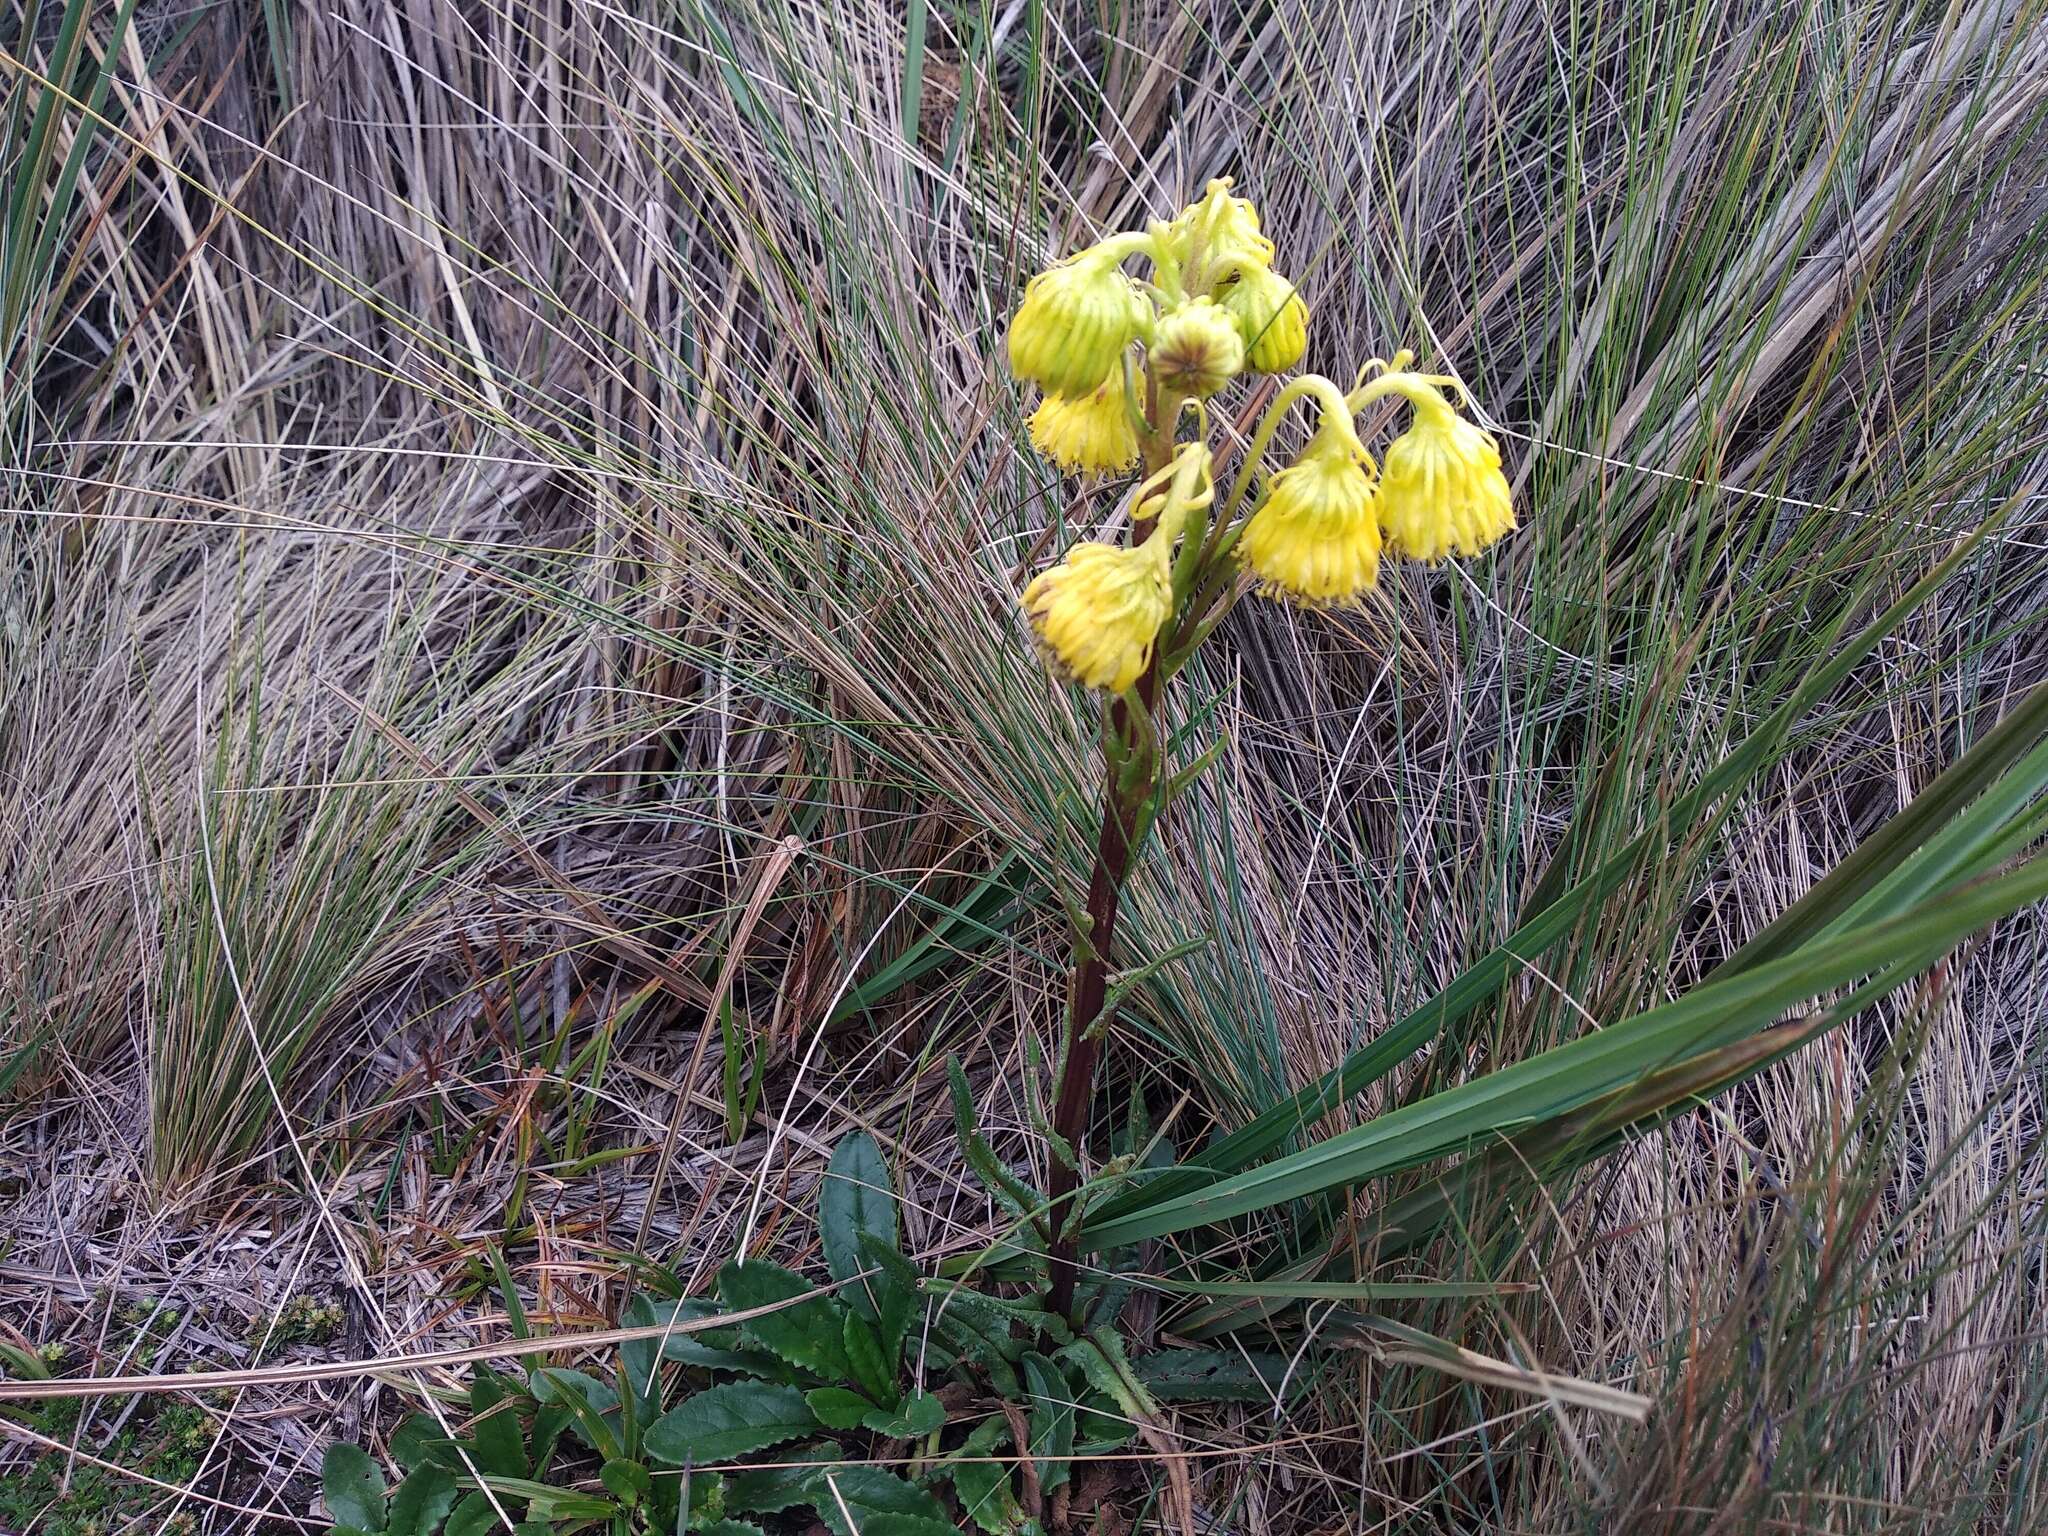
1077,318
1270,315
1196,349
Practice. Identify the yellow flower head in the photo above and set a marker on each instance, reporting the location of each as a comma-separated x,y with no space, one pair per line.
1443,492
1316,539
1271,317
1219,230
1070,332
1196,349
1090,432
1099,610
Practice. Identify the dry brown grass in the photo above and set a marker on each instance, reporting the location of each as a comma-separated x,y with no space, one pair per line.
497,472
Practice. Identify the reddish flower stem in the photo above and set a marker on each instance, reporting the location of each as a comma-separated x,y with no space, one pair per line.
1088,987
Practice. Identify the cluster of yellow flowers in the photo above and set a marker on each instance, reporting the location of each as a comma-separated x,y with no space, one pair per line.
1121,361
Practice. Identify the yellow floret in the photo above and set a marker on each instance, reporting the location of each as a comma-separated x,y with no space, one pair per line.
1443,492
1091,432
1098,611
1316,539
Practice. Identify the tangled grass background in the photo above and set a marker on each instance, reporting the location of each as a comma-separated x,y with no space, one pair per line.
516,729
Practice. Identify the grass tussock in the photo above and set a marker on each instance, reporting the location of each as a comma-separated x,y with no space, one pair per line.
517,731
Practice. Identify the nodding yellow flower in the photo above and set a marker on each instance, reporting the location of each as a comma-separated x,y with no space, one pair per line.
1219,230
1099,611
1090,432
1443,492
1070,332
1196,349
1271,317
1316,538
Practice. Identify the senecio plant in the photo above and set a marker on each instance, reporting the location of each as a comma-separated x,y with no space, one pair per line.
1128,366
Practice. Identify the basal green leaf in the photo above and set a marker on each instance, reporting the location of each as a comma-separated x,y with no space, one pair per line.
626,1481
917,1415
899,1300
837,1408
867,1501
472,1516
714,1349
1051,1419
497,1445
808,1335
857,1200
592,1405
770,1490
352,1486
727,1421
982,1480
1100,1357
876,1375
420,1441
421,1502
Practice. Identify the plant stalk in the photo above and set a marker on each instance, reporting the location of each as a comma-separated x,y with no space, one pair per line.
1088,987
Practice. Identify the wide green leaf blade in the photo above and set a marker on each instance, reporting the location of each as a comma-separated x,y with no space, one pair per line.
918,1415
353,1487
857,1198
838,1407
720,1423
473,1516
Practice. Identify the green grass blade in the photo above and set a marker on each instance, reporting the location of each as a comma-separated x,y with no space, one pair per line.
1569,1076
